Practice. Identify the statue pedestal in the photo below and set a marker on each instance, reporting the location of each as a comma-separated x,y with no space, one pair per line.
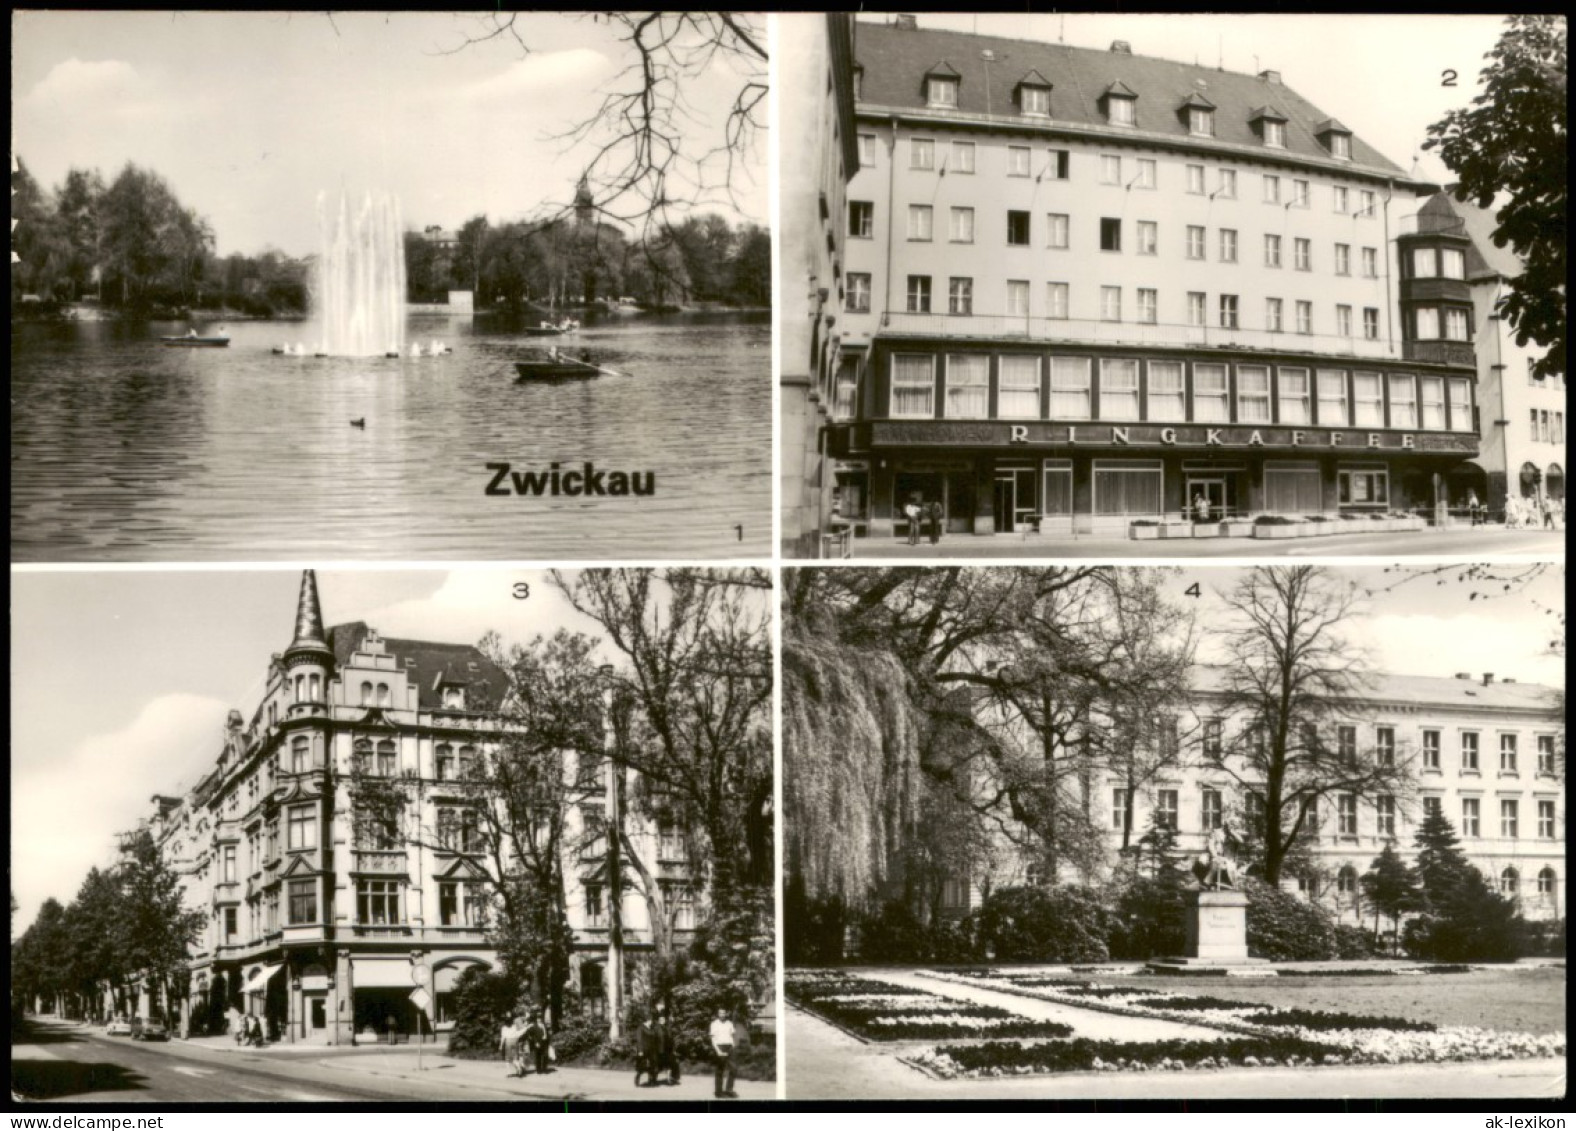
1215,925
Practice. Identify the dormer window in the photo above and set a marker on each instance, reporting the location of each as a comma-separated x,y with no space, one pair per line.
941,87
453,699
1336,138
1121,105
1198,115
1034,95
1270,124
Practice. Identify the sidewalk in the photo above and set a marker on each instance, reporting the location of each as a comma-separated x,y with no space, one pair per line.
568,1083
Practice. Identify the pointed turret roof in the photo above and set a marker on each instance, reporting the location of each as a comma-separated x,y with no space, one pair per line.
310,635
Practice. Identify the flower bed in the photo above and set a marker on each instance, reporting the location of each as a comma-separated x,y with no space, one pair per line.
880,1011
1345,1037
1014,1058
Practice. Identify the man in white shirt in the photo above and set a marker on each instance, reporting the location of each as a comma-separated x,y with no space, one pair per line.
722,1054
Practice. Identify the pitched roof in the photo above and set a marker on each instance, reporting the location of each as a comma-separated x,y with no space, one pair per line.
431,665
1480,224
895,59
1437,690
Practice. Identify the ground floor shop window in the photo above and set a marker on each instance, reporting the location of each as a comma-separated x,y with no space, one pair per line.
1123,487
1293,488
1368,487
1058,481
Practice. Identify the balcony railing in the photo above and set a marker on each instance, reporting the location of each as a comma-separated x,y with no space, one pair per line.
1000,327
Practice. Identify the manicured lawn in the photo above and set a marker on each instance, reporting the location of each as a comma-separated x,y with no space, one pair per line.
1526,1000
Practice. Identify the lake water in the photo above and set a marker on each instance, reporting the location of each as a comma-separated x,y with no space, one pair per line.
123,449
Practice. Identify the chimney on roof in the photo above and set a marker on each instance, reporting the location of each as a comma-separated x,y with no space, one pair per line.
1488,678
1270,76
1121,47
906,21
1463,675
1506,679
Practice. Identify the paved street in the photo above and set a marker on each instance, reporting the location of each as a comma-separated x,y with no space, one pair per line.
64,1062
1461,544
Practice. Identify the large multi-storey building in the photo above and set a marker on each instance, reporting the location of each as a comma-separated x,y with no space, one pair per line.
1487,753
815,93
1448,253
319,924
1087,287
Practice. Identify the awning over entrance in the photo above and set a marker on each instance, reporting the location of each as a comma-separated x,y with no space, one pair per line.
381,973
258,982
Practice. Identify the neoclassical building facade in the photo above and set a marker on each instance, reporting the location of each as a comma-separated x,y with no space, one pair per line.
326,931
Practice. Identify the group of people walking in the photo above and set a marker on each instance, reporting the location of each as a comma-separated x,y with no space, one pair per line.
923,517
1520,513
247,1028
525,1041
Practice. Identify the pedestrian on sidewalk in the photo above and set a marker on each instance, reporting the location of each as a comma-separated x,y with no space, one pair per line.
648,1053
911,512
670,1045
722,1055
934,510
536,1037
1474,513
511,1044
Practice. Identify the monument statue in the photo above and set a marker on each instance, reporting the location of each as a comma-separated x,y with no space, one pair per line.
1214,868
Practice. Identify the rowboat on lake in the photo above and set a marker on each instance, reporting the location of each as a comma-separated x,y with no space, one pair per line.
192,341
548,370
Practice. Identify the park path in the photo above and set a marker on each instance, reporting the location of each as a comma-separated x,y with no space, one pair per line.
1091,1023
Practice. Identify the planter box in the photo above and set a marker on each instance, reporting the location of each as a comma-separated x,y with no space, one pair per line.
1276,532
1176,530
1206,530
1320,529
1144,533
1236,529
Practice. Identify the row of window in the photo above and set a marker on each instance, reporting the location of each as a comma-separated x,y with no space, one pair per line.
1156,391
1542,381
378,903
960,157
1509,752
1213,813
1548,428
918,299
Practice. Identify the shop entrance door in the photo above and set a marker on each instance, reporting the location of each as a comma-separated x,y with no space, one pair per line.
1213,492
317,1012
1015,507
1005,503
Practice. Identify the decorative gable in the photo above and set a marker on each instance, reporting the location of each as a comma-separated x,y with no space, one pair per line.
1119,103
1033,94
460,868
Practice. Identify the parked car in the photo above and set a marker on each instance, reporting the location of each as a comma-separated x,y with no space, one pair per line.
148,1029
118,1027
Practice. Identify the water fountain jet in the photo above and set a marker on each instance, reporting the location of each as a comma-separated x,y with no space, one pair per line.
360,277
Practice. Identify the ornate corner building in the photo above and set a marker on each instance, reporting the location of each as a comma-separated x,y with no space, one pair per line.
1086,287
320,928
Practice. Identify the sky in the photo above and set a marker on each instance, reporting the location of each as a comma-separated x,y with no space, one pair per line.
1422,619
121,681
249,115
1380,75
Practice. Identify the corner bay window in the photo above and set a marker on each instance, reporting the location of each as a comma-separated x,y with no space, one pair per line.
303,901
968,386
301,827
1018,396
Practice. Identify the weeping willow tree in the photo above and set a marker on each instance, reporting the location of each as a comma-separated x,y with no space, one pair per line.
852,738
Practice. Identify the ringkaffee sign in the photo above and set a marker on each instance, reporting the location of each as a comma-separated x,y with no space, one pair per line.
1038,434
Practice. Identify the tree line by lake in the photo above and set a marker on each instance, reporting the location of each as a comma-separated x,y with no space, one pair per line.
132,246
